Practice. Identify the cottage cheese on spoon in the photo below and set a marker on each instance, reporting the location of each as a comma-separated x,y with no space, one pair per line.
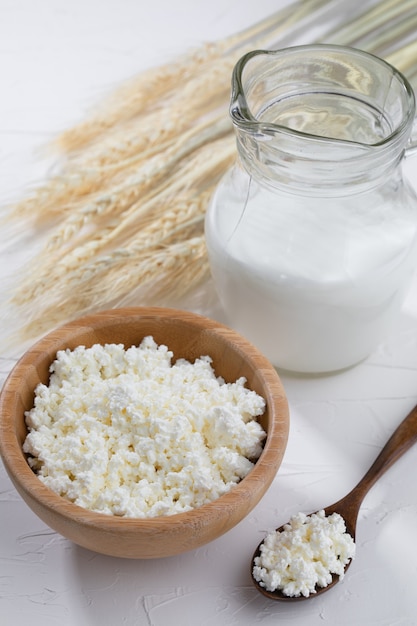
305,554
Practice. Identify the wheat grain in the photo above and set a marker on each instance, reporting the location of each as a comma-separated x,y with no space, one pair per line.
138,95
137,185
197,177
152,86
94,193
158,130
176,259
203,169
173,269
128,210
82,265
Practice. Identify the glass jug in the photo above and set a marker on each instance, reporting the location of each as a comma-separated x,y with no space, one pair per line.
311,236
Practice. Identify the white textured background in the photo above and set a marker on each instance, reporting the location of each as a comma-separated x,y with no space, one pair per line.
58,57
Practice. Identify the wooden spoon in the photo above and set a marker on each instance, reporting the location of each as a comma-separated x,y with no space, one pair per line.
348,507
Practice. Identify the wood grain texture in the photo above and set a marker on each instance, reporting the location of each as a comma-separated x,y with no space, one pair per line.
189,336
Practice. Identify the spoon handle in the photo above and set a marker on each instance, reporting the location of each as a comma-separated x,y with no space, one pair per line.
400,441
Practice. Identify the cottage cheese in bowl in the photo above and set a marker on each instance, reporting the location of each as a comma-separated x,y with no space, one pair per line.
127,432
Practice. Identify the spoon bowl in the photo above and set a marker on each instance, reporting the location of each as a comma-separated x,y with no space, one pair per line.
348,507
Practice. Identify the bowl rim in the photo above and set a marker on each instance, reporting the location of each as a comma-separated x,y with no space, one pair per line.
26,480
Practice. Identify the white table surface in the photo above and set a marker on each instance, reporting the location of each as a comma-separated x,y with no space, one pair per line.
57,57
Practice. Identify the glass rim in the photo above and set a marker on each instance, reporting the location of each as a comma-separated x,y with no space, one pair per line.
243,118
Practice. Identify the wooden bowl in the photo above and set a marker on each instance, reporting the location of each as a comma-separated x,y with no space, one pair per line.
189,336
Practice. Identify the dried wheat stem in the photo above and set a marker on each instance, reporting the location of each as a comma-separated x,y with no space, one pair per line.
161,128
206,165
115,201
369,21
151,87
392,38
138,95
202,92
80,183
173,261
203,169
92,194
142,94
405,58
171,269
175,224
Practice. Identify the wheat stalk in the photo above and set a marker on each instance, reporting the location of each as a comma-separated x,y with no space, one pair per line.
362,27
159,129
137,185
405,58
184,260
184,263
209,161
134,125
139,95
154,86
89,261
